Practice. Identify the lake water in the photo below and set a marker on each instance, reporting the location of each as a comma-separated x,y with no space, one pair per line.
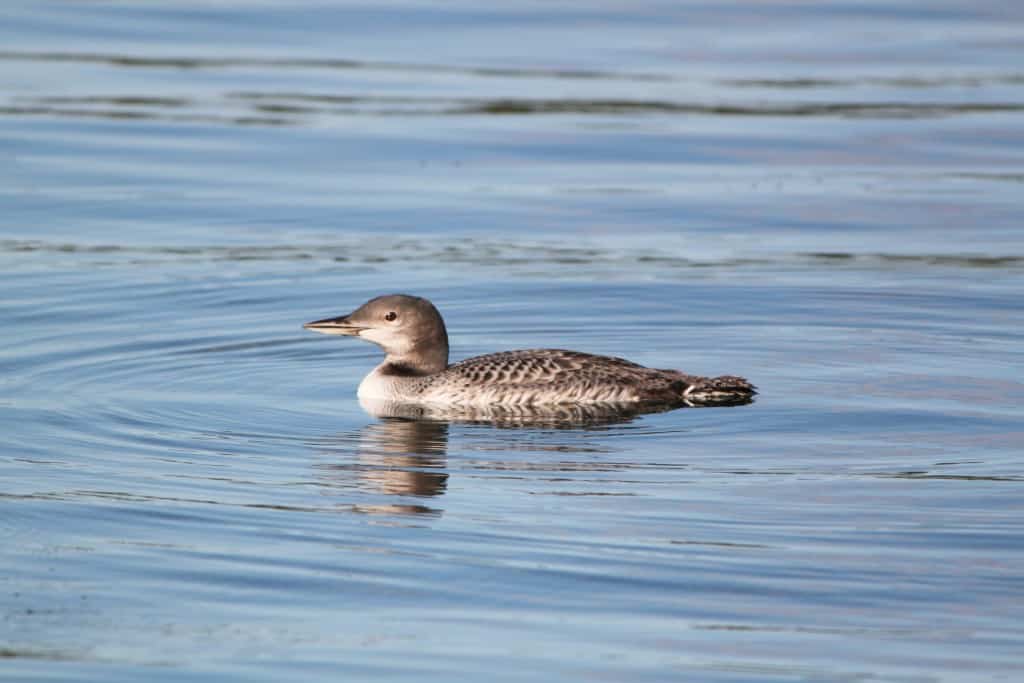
827,198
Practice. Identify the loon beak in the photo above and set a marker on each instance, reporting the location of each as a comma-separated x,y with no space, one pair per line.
339,325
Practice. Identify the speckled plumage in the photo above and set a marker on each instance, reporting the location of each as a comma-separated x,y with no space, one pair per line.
416,368
552,376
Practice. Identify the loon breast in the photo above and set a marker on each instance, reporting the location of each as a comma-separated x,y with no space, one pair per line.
390,381
375,387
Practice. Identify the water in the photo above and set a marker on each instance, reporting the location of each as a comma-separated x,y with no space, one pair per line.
824,197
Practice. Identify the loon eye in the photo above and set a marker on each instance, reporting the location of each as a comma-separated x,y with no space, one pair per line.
391,315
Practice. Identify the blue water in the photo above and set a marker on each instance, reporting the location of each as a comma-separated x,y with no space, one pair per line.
823,197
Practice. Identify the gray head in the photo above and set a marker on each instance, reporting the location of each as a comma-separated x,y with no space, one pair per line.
408,328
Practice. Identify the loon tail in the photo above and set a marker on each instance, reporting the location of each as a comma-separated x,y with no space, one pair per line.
726,390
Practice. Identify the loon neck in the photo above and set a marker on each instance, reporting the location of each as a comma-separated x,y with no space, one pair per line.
394,368
416,363
425,354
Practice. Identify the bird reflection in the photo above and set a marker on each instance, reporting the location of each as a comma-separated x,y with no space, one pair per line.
407,456
404,453
394,457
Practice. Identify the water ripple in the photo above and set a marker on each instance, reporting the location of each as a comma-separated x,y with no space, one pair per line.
274,109
483,252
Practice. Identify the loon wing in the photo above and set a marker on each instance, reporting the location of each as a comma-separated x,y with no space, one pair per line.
545,366
561,376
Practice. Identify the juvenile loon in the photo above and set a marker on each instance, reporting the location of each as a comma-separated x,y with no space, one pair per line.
416,370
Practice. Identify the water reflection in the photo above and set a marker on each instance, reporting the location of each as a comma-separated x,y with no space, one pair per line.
405,452
394,457
405,457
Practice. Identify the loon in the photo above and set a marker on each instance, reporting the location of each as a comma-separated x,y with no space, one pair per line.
415,370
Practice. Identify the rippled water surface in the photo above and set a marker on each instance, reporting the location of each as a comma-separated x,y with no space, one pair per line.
826,198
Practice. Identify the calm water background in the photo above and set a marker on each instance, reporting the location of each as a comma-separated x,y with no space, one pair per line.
825,197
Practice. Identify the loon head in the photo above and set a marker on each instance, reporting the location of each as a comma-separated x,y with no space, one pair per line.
408,328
